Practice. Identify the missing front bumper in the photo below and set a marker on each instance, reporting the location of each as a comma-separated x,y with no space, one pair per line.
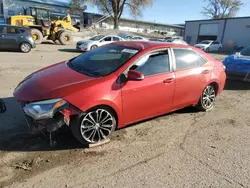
49,125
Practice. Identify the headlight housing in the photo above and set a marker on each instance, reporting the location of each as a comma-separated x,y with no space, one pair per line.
44,109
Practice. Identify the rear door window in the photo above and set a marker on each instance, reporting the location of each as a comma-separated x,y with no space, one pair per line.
22,30
107,39
187,59
116,39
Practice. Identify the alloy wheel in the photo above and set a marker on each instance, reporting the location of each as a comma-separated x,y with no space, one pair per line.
25,47
97,125
93,47
208,97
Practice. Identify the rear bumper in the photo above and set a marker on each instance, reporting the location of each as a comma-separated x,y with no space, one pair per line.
32,42
33,45
222,82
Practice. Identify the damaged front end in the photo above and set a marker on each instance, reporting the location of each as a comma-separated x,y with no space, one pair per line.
48,115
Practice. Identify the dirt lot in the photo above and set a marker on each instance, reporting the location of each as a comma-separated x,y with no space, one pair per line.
183,149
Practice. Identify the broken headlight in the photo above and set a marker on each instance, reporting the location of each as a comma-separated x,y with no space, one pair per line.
44,109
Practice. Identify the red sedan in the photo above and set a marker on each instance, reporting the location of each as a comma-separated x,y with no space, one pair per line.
119,84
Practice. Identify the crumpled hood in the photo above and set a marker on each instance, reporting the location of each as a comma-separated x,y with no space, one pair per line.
56,81
237,64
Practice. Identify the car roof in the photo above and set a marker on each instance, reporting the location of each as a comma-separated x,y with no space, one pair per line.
107,35
138,36
143,45
151,45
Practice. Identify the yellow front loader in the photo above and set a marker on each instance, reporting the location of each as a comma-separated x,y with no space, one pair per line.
43,28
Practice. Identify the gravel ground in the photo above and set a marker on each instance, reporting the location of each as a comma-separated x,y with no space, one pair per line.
182,149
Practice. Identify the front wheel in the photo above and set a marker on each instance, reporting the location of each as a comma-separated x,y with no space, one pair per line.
65,38
95,126
207,98
37,36
93,47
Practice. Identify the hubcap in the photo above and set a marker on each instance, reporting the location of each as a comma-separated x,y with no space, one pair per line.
66,38
25,47
97,125
208,97
35,37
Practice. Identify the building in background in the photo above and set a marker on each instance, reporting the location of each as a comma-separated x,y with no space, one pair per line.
230,32
101,22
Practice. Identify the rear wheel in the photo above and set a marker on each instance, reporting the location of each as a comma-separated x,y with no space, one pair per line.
65,38
25,47
95,126
207,98
37,36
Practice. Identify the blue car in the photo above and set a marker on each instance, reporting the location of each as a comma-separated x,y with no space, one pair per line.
238,65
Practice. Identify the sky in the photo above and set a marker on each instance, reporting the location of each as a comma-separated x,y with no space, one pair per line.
176,11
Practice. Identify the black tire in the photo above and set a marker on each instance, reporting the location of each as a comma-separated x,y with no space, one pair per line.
78,120
93,47
65,38
37,36
207,50
203,102
25,47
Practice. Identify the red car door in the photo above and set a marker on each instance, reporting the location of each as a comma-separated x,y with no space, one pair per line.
154,94
192,76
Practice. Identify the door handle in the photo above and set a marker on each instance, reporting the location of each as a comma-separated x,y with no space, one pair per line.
168,80
205,71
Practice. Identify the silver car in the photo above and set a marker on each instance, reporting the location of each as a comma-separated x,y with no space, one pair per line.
96,41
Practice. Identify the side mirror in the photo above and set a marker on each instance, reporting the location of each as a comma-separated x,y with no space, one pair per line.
2,106
135,75
237,54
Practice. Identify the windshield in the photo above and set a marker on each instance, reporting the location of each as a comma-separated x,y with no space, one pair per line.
42,14
96,38
245,51
103,60
205,42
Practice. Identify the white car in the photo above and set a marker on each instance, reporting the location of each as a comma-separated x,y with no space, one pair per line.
96,41
176,41
209,46
138,38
